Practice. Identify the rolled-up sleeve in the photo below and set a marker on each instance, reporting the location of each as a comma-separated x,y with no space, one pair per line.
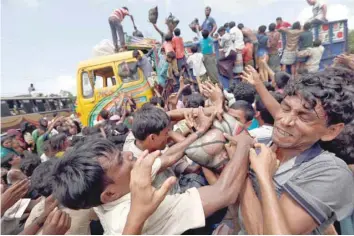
325,192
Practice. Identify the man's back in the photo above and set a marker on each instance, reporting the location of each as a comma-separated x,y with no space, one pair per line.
237,37
313,63
178,46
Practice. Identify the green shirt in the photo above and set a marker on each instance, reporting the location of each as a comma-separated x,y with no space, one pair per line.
39,140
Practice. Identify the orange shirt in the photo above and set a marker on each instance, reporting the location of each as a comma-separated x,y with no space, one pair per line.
168,47
178,46
247,52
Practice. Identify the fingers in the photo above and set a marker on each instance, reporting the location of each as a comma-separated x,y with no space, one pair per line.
56,215
213,115
165,188
67,221
230,138
261,146
141,157
252,155
150,159
20,189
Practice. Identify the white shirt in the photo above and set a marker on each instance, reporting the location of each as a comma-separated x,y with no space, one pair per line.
237,38
227,44
195,61
262,134
317,10
176,214
314,60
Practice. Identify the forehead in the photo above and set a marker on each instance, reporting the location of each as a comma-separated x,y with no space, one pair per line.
299,103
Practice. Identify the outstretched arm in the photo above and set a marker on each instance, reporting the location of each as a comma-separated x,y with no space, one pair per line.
158,30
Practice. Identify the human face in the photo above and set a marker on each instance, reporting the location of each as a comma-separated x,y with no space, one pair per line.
297,127
117,167
7,143
279,22
158,142
239,115
16,161
207,11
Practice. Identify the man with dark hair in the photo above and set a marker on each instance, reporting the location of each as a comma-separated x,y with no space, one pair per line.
281,80
319,11
237,38
209,22
311,183
281,23
115,22
97,175
178,46
292,41
143,63
243,91
305,42
263,134
314,55
243,111
273,41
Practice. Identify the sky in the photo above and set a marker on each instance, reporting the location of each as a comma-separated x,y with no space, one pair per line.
42,41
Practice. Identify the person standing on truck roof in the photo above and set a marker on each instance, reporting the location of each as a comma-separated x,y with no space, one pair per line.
115,22
209,22
319,10
31,89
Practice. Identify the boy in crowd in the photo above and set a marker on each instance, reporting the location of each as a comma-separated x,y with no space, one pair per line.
178,46
292,40
305,42
273,40
209,58
315,54
244,112
247,53
195,61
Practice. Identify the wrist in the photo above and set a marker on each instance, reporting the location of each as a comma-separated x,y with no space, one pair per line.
263,177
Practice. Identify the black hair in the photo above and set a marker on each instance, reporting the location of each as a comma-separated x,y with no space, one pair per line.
261,108
205,33
104,114
177,32
342,146
281,79
171,55
6,138
333,88
168,37
232,24
187,91
279,18
245,107
317,43
195,100
221,29
56,142
78,126
272,27
296,25
27,127
240,26
29,163
244,91
194,49
247,40
126,8
5,161
303,70
79,179
135,53
42,177
262,29
157,100
226,25
122,128
307,26
151,120
269,86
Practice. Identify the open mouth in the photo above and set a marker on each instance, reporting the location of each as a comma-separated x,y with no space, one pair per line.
282,132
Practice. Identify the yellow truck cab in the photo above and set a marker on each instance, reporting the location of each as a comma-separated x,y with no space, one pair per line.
102,83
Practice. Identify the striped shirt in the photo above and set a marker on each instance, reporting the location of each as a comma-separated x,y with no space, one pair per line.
120,13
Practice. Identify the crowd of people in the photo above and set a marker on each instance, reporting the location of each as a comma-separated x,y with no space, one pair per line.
241,153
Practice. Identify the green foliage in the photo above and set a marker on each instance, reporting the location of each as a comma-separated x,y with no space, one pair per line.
351,41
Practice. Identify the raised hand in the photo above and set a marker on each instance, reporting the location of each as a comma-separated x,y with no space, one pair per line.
265,163
145,199
214,93
251,76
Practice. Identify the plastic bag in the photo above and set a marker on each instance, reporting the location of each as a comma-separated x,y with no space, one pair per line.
153,15
104,48
137,33
193,25
172,21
